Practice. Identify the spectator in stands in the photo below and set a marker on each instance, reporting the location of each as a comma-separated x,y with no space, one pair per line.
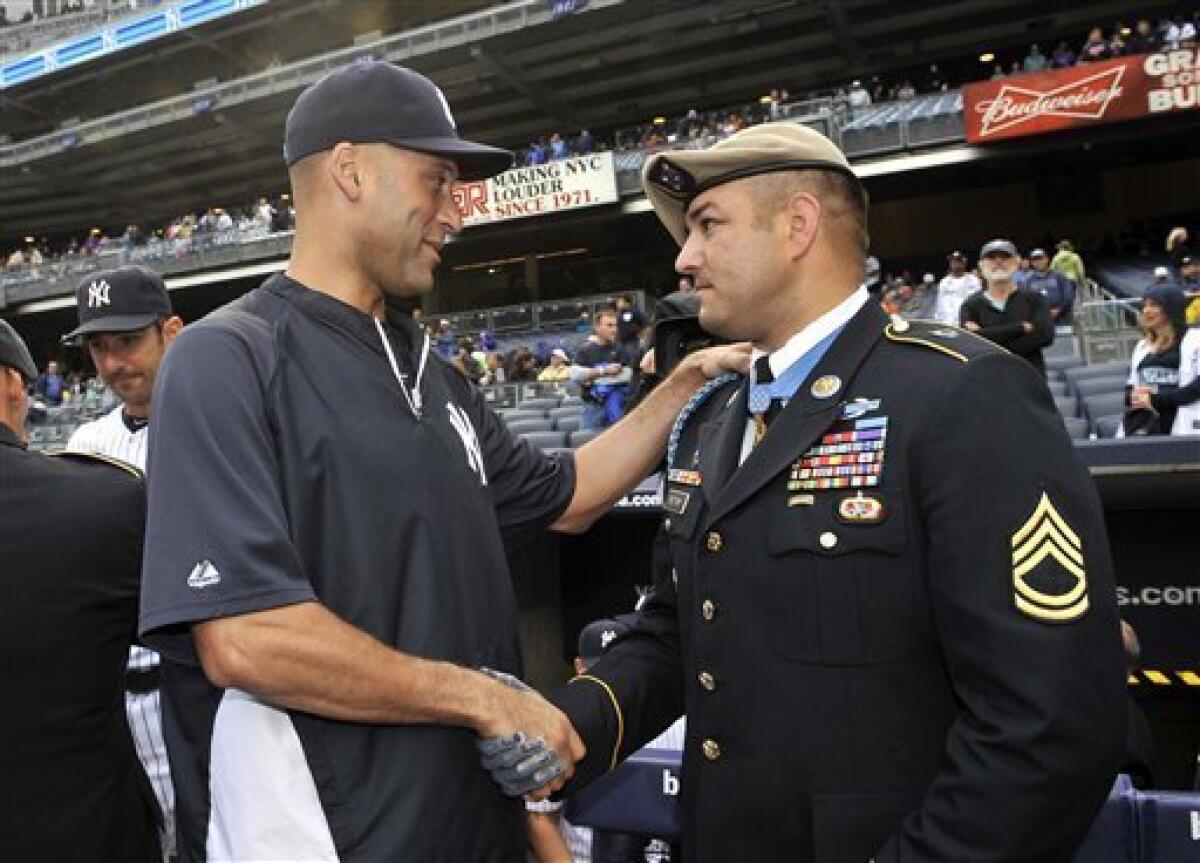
558,147
585,144
1035,60
1012,317
935,82
446,342
536,154
523,366
1116,45
689,126
954,287
1189,273
906,92
1162,276
1095,48
1062,57
1144,40
631,322
1154,393
1140,751
859,97
1067,262
494,371
559,369
1058,290
50,384
998,72
602,374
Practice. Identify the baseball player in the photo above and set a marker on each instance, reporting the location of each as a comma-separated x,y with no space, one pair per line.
126,323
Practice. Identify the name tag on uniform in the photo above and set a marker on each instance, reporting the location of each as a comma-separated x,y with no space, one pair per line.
676,501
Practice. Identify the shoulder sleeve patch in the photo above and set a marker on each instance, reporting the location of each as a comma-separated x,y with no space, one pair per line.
954,342
694,403
1048,570
94,458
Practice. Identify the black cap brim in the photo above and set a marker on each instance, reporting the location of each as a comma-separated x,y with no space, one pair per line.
474,161
114,324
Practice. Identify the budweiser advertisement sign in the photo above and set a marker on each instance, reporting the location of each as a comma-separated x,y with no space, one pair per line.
1107,92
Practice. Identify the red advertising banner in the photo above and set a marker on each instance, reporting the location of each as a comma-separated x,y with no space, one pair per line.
1129,88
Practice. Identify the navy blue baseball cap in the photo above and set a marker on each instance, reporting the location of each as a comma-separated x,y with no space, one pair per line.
373,102
119,301
14,354
595,638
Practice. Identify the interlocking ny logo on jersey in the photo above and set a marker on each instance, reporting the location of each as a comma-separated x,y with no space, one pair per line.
98,294
204,574
470,440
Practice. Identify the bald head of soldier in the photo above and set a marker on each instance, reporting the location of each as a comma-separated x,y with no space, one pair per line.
374,157
17,372
772,225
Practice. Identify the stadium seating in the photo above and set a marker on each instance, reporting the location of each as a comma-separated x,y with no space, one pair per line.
539,403
1168,826
1066,405
1103,405
567,423
523,413
579,438
522,426
1106,426
1057,387
565,411
1106,384
545,440
1097,370
1077,427
1057,365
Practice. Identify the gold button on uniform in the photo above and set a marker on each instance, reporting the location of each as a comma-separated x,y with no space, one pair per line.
828,539
712,749
713,541
708,609
707,681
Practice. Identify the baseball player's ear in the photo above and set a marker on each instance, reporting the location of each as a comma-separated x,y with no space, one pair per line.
344,165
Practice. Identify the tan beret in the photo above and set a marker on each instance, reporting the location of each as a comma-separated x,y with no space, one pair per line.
673,178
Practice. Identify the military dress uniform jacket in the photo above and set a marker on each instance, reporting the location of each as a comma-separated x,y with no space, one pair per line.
893,628
70,566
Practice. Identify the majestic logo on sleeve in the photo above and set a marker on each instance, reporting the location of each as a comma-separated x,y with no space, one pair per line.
204,574
1087,98
470,440
1049,578
98,294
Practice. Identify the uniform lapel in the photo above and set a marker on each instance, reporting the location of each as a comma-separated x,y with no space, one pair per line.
721,444
805,417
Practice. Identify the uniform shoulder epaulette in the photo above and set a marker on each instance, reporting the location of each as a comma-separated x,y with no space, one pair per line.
698,398
954,342
97,458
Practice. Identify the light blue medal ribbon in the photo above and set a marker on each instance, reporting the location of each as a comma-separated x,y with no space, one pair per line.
785,386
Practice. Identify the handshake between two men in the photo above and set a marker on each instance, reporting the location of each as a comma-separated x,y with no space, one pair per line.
537,758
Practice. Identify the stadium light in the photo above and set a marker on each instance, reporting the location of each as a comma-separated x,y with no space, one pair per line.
1126,31
765,100
987,57
29,239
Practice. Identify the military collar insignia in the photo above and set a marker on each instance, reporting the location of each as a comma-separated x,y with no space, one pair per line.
684,477
1048,569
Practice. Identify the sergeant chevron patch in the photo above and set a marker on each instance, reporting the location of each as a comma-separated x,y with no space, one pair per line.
1049,577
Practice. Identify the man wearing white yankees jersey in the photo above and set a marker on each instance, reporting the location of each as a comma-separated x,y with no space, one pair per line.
126,323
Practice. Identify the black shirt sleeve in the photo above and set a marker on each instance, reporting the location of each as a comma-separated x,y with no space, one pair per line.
217,540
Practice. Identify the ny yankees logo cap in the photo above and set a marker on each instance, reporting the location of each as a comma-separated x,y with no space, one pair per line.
373,102
119,301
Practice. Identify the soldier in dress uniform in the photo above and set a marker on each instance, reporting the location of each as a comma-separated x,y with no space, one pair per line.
892,620
70,547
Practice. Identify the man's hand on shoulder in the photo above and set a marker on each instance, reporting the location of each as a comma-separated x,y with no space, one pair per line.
714,362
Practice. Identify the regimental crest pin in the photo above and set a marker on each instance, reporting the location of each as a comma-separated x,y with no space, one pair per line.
861,509
826,386
1048,570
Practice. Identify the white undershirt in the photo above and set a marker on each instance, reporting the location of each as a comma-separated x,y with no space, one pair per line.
800,344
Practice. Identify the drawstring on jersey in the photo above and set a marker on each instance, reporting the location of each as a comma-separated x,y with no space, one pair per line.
413,398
